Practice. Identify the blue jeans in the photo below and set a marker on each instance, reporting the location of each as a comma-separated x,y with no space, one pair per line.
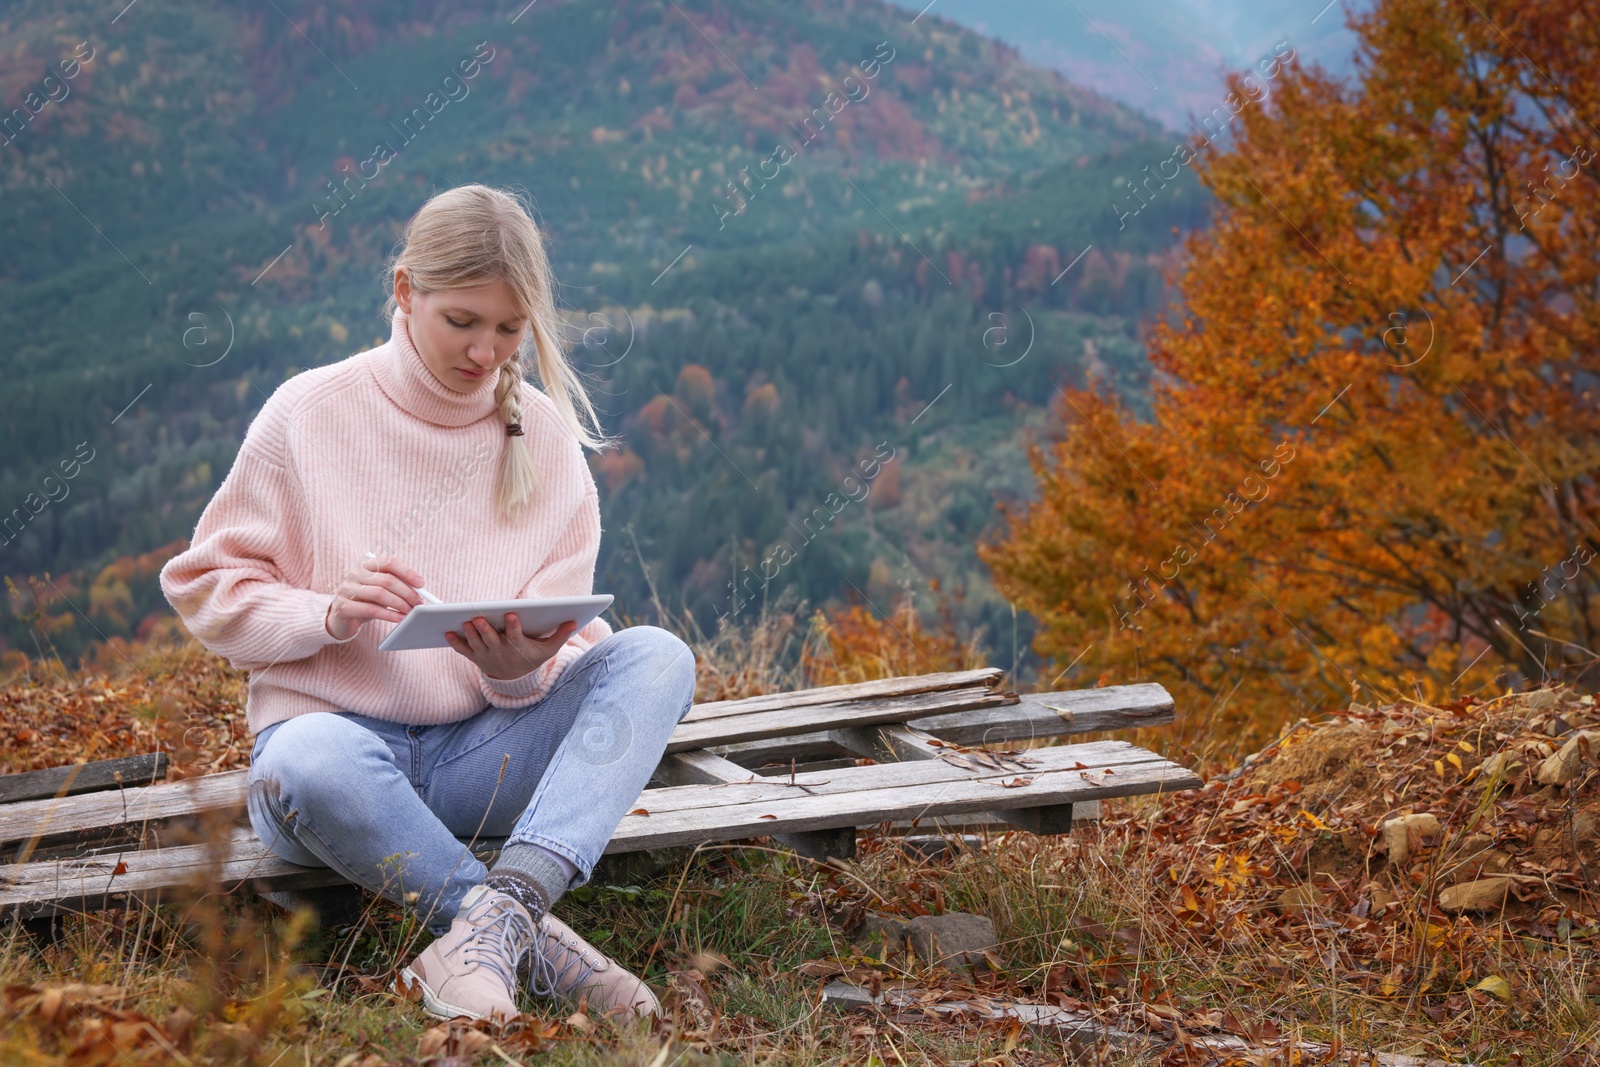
390,805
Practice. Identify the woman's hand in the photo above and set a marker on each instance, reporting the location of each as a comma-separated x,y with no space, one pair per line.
511,654
375,589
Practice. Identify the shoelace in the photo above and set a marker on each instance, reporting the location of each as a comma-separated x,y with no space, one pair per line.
544,977
500,942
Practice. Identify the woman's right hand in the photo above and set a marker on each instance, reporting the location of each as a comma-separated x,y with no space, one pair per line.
374,589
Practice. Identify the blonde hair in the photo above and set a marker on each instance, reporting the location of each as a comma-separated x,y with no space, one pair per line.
474,234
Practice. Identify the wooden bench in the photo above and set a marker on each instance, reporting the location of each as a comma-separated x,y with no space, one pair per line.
785,765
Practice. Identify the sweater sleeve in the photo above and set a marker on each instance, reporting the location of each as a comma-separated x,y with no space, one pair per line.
241,585
568,572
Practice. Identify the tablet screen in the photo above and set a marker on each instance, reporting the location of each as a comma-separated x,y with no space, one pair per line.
426,624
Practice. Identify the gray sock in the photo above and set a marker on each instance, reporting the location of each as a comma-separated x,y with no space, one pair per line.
536,863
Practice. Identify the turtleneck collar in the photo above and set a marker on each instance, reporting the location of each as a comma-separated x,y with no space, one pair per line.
406,380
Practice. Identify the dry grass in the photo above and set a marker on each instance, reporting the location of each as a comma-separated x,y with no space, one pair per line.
1169,911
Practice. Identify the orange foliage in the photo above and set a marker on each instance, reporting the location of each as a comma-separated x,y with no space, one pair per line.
696,386
763,400
853,645
618,468
1375,435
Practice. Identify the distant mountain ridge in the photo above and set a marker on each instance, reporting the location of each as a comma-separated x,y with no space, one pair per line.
1164,57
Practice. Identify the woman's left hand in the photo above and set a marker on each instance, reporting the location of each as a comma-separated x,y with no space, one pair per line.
511,654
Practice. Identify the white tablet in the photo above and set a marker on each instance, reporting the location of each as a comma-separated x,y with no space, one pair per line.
426,624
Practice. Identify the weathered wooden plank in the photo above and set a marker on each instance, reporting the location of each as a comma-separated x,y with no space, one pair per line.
728,730
76,778
1094,756
1032,717
805,812
1086,1034
41,818
1079,1028
908,685
239,860
698,767
889,743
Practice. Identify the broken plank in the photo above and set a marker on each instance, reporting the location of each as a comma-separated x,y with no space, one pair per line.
1086,1031
908,685
1031,717
784,721
1079,1027
76,778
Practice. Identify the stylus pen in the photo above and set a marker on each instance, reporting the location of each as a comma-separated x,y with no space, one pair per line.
423,593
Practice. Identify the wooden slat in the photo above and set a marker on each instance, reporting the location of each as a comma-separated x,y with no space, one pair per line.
798,810
727,730
890,743
40,818
698,767
32,890
1032,717
909,685
41,888
76,778
1096,756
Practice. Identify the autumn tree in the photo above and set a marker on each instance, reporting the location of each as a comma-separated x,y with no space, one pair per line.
1373,447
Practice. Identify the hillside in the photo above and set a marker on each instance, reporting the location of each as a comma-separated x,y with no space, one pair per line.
207,209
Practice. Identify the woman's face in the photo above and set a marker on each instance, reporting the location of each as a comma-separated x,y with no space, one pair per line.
463,335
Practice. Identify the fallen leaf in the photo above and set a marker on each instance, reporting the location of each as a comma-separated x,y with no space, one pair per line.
1017,782
769,816
1495,986
821,968
639,811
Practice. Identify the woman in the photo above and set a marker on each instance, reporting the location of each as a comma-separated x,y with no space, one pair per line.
359,482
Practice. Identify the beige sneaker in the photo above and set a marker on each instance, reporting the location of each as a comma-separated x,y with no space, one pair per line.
472,969
565,965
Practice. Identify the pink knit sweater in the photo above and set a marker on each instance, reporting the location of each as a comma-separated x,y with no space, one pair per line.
375,453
